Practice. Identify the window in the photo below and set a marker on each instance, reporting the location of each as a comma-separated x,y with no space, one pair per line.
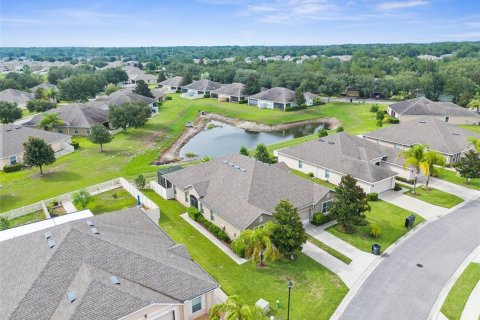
201,207
186,197
88,131
397,146
326,205
75,131
196,304
447,119
300,164
59,130
13,159
327,174
212,217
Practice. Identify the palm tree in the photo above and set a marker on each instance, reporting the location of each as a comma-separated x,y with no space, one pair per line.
258,244
475,142
413,158
234,309
428,163
50,121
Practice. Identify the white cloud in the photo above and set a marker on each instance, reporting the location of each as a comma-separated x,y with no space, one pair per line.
402,4
475,35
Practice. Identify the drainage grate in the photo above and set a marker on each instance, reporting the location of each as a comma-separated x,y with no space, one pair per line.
419,265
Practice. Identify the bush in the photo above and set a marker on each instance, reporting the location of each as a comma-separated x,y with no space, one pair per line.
404,180
190,155
375,231
75,145
374,108
242,102
168,98
206,95
393,120
296,108
349,229
12,167
193,213
340,129
239,247
322,133
398,187
320,218
372,196
311,175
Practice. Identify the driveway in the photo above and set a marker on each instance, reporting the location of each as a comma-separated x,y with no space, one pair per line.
398,288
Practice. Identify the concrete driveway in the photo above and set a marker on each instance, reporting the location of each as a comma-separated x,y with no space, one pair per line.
406,284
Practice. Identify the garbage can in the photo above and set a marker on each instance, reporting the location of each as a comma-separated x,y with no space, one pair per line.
376,249
410,221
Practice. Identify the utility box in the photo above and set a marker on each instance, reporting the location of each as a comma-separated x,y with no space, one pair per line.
264,305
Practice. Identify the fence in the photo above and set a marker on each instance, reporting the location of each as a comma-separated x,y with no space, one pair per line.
66,150
22,211
149,205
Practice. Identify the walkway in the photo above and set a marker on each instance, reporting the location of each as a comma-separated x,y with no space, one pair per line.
69,206
459,191
349,273
214,240
472,308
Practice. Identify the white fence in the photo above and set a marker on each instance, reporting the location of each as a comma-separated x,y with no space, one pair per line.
66,150
22,211
149,205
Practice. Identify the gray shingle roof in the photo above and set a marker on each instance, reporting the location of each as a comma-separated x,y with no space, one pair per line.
151,268
438,135
172,82
13,136
75,115
233,89
44,85
119,97
203,85
346,154
425,107
16,96
277,94
242,196
310,95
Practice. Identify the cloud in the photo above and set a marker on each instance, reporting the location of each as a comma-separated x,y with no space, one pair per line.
402,4
475,35
287,11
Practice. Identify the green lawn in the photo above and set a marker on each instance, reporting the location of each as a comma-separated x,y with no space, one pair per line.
112,200
451,176
435,197
391,220
316,292
329,250
471,127
321,182
27,218
457,297
26,113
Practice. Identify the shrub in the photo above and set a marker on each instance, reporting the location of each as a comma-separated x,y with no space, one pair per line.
311,175
205,159
140,181
372,196
115,195
239,247
206,95
404,180
398,187
361,221
375,231
320,218
295,108
322,133
75,145
242,102
4,223
340,129
190,155
374,108
12,167
193,213
393,120
168,97
349,229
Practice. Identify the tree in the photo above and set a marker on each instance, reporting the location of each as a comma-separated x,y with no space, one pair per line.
81,198
161,76
9,112
40,93
374,108
430,160
50,121
252,86
258,244
380,115
468,166
432,85
110,88
143,89
81,87
261,153
244,151
187,78
100,135
322,133
289,234
475,142
140,181
40,105
37,153
332,86
114,75
413,158
127,115
299,97
234,309
350,202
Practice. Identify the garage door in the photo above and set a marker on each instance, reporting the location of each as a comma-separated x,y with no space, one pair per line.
305,216
168,316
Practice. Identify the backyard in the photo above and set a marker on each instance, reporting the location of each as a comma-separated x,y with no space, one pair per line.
27,218
112,200
316,291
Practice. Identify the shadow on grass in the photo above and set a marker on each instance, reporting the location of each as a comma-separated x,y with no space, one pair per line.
56,176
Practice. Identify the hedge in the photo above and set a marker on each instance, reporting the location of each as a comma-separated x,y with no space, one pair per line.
206,95
75,145
404,180
12,167
295,108
393,120
212,228
320,218
398,187
372,196
168,97
242,102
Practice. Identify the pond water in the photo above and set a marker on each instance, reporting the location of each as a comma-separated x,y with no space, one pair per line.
226,139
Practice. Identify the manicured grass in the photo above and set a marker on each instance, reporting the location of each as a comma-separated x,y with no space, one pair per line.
316,291
321,182
26,113
28,218
329,250
471,127
391,220
435,197
451,176
457,297
107,202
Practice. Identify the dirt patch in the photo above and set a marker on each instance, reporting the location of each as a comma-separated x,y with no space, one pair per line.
150,140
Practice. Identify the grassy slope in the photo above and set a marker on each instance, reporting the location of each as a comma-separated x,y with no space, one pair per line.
436,197
451,176
105,202
457,297
316,291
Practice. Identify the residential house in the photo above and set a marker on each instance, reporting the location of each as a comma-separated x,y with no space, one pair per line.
234,92
332,157
237,192
310,98
44,85
438,135
78,118
13,136
274,98
16,96
352,93
420,107
123,96
135,74
199,88
119,265
172,84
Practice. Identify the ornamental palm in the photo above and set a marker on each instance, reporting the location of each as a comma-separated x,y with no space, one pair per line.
50,121
234,309
475,142
428,163
258,244
413,158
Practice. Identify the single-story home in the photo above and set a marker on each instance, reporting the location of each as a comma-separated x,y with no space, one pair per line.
199,88
123,96
135,74
78,118
417,108
119,265
172,84
234,92
237,192
16,96
352,92
332,157
13,136
45,85
445,138
310,98
274,98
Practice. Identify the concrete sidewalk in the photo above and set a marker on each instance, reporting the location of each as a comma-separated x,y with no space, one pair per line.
455,189
69,207
472,308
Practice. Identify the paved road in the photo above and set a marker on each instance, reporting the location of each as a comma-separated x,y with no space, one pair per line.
398,289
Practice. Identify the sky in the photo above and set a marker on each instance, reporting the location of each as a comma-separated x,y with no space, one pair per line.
132,23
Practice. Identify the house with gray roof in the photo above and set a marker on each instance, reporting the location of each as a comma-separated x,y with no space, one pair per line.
274,98
119,265
237,192
445,138
123,96
135,74
310,98
332,157
45,85
197,89
171,85
234,92
417,108
16,96
12,138
78,118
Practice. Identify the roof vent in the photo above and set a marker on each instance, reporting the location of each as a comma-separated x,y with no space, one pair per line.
243,169
423,121
231,164
72,296
18,127
90,223
236,167
8,129
48,235
225,161
114,280
94,230
321,140
331,142
455,133
51,243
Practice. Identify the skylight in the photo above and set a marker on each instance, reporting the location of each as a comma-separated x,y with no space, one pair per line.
72,296
114,279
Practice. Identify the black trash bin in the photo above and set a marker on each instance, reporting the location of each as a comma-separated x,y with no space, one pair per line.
376,249
410,221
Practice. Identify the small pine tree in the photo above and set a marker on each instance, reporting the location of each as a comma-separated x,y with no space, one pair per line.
37,153
289,235
299,97
140,181
81,198
100,135
244,151
261,153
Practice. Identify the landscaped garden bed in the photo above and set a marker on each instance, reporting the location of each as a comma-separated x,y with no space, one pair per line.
56,209
112,200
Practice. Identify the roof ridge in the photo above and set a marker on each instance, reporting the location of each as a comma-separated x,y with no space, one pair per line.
419,99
